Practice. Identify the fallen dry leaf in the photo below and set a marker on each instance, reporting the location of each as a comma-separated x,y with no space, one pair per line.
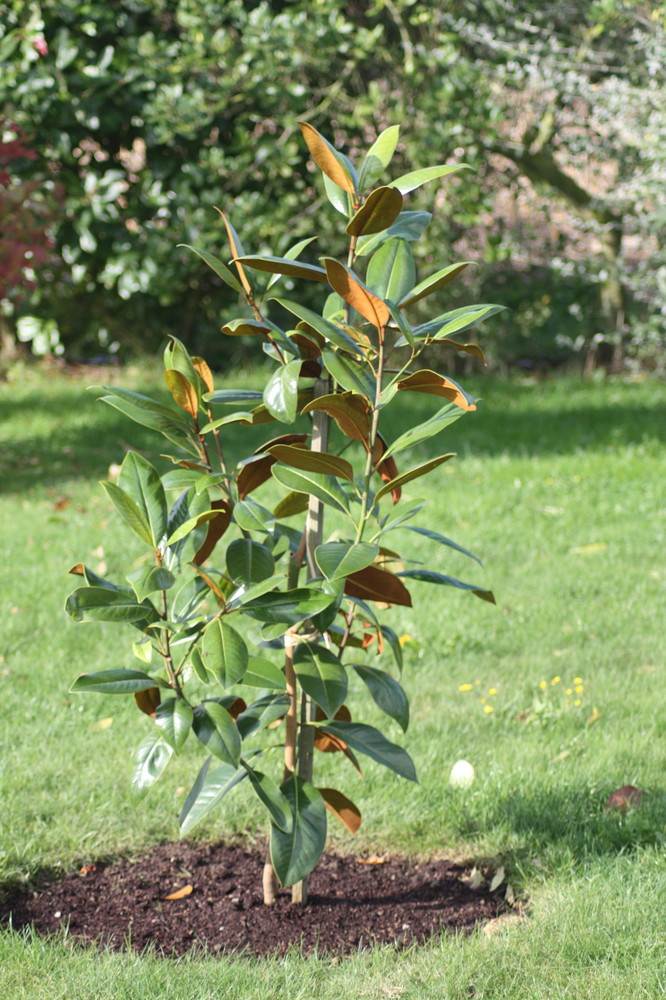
499,923
102,724
181,893
623,798
374,859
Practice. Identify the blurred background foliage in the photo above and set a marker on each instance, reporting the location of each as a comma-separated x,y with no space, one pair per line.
123,123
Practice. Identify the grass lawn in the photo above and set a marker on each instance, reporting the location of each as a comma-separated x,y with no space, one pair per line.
559,487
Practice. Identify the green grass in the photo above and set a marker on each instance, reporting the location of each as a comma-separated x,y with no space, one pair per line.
558,486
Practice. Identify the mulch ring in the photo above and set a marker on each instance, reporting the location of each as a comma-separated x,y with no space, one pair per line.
217,906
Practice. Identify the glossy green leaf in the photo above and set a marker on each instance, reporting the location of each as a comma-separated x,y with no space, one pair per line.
278,806
368,740
321,675
221,269
296,853
149,580
325,488
158,418
140,481
185,514
217,731
386,693
394,642
283,265
337,560
246,328
421,432
378,157
210,787
199,667
313,461
339,199
224,653
327,329
249,561
430,576
118,681
129,511
292,254
177,357
431,284
414,473
391,271
408,226
293,503
400,513
262,673
100,604
400,321
442,540
262,713
227,396
379,211
251,516
456,321
354,375
414,179
186,527
290,607
281,392
174,718
151,757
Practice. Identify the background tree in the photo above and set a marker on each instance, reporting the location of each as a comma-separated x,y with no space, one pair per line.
149,114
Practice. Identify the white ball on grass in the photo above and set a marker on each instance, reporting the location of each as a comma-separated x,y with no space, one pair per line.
462,774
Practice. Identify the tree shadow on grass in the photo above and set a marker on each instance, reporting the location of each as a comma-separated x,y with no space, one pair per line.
59,431
572,824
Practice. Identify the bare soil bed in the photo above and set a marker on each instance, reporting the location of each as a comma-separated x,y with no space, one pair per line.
351,904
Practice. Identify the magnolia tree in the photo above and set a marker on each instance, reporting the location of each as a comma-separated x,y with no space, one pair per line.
287,601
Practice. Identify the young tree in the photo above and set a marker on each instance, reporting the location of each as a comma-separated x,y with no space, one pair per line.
233,596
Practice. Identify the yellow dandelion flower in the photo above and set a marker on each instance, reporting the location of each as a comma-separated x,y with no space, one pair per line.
404,638
465,687
569,691
487,709
492,690
555,680
579,689
483,701
577,680
543,685
578,703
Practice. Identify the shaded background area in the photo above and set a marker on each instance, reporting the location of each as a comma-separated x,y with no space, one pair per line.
123,124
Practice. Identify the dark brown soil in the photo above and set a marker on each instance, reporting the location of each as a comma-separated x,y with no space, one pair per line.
351,904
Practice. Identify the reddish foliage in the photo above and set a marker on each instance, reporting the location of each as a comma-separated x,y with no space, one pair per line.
26,212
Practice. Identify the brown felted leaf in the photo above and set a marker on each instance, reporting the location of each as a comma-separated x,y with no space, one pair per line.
350,411
379,211
374,584
436,385
342,807
386,468
216,528
204,372
325,158
148,700
353,291
182,391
